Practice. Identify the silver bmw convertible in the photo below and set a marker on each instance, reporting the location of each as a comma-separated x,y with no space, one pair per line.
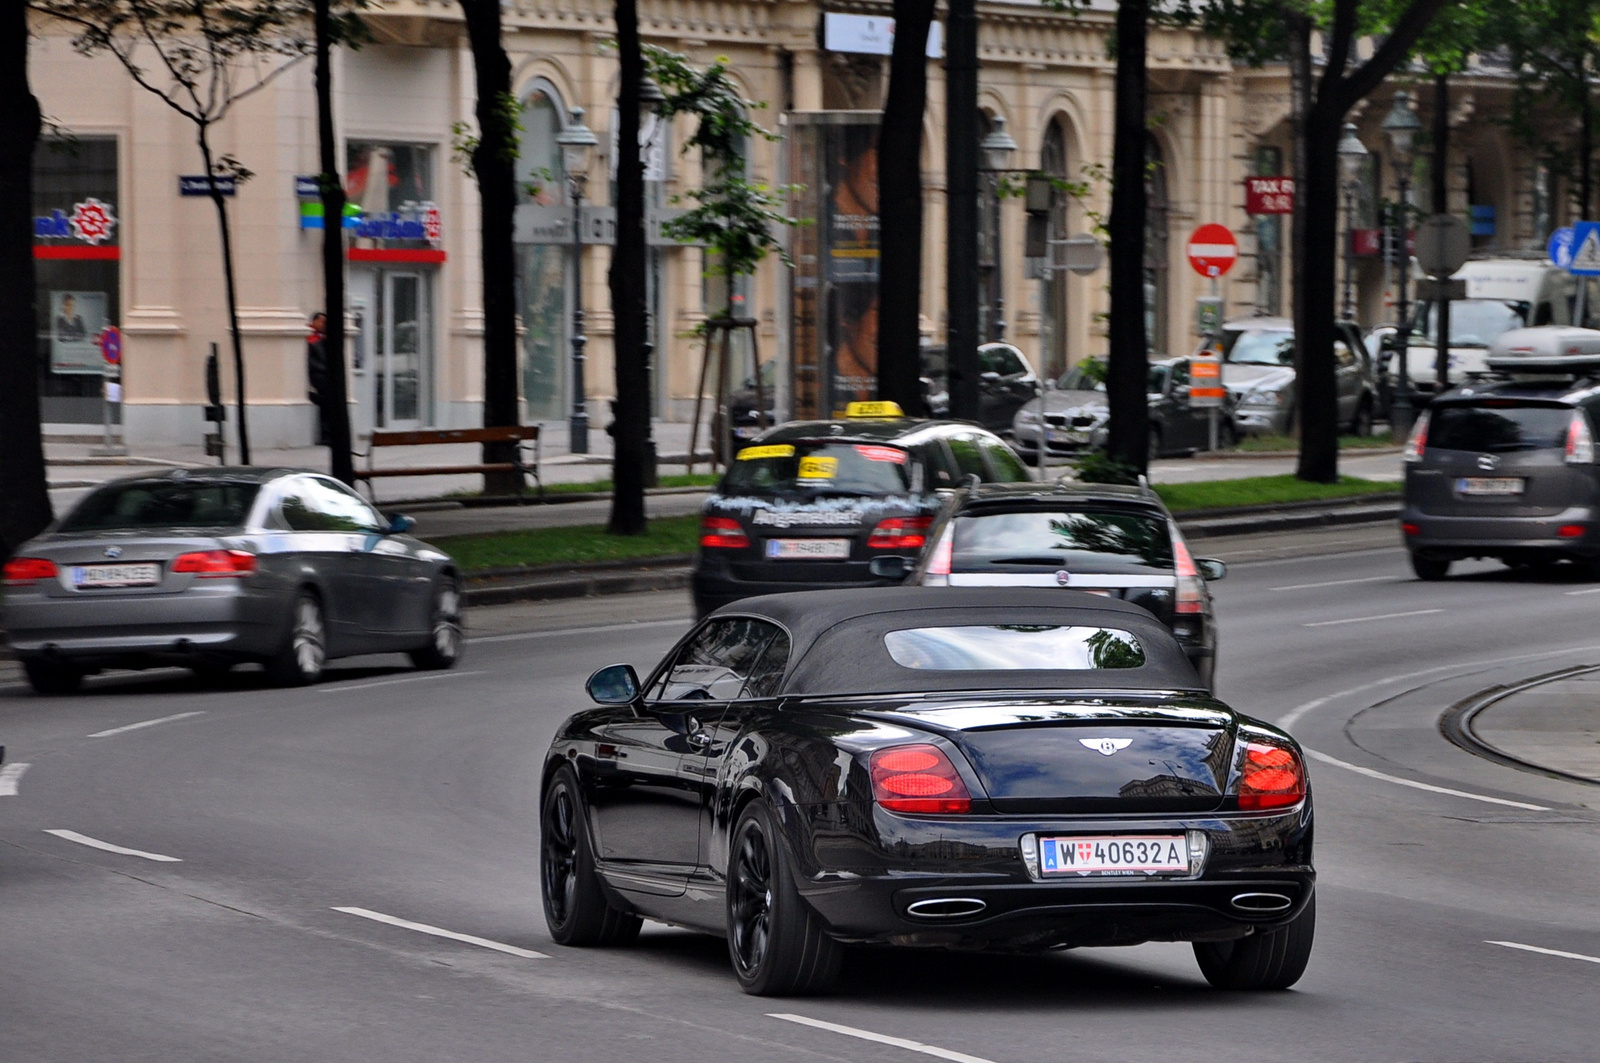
206,569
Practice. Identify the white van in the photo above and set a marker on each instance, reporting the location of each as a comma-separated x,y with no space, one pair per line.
1502,294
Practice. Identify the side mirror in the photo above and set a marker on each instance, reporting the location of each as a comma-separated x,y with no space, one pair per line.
890,567
615,684
1210,568
399,523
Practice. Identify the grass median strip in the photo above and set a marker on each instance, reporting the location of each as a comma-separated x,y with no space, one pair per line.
1274,443
1264,490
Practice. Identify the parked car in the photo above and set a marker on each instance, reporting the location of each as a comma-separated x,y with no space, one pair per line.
1013,769
813,504
1110,540
1076,414
1506,468
208,569
1258,371
1006,381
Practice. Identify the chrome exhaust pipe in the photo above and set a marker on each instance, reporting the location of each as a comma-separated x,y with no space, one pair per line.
1262,903
945,907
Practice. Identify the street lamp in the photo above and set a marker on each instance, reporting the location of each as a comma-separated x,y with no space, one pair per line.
1400,127
1352,157
650,100
997,150
577,142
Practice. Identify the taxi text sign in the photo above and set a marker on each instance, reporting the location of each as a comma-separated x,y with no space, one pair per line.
1269,195
1212,250
1205,382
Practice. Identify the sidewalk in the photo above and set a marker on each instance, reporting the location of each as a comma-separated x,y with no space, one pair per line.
1552,725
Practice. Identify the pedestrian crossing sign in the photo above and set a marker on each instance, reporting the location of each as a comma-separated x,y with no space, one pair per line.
1585,249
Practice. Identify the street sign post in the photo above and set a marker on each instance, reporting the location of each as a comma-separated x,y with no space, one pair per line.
110,343
1212,250
1442,245
1585,261
1205,389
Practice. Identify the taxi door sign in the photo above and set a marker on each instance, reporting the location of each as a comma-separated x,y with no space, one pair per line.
1205,382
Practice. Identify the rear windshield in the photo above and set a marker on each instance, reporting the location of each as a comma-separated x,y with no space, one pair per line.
818,468
163,504
1498,428
1013,647
1089,541
1473,322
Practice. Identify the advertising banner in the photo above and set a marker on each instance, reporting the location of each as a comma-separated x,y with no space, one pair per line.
76,321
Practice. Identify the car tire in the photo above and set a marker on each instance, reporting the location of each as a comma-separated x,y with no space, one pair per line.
1263,961
777,944
50,678
1362,424
575,907
305,647
1430,568
443,649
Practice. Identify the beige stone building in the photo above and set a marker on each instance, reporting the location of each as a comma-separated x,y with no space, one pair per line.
153,271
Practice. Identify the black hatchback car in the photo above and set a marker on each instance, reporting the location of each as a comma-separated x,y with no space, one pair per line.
1505,469
1109,540
815,503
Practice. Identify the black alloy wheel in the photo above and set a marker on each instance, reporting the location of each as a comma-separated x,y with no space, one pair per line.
1428,567
1263,961
777,944
305,649
444,636
575,907
50,678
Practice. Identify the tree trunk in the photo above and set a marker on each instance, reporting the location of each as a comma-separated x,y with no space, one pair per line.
961,207
629,308
1316,259
202,135
900,209
1125,379
334,398
1440,194
26,509
494,166
1585,140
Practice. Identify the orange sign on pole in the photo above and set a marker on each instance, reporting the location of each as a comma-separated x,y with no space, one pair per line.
1205,382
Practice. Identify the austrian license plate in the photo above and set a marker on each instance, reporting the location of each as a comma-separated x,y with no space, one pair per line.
1061,435
809,549
116,575
1490,485
1115,854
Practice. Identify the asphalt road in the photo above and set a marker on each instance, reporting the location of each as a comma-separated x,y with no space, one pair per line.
413,796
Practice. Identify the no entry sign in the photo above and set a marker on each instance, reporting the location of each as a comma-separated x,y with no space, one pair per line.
1212,250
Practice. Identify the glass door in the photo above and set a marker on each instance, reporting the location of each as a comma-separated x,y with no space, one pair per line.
403,357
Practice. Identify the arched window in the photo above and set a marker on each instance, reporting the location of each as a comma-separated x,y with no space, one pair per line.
1155,250
542,269
1053,303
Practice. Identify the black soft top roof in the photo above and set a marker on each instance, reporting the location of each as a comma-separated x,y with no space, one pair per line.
837,642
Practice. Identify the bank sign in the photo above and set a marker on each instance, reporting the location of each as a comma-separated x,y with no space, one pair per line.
91,221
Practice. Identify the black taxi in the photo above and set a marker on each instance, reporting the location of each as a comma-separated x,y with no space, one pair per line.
812,504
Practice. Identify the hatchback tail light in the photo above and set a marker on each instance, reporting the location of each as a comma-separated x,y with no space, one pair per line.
1191,587
1273,777
21,571
918,778
940,562
722,533
1417,442
1580,441
214,564
900,533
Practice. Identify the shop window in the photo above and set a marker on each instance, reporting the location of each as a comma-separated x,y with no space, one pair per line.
1053,316
392,185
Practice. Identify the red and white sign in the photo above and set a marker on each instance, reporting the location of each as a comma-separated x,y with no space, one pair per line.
1269,195
1212,250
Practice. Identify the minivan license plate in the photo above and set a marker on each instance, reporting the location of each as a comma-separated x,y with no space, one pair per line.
1113,854
1489,485
116,575
809,549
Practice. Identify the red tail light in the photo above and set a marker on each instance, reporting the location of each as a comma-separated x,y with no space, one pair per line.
1580,441
1411,529
212,564
1417,442
1191,588
722,533
21,571
943,555
918,778
1273,777
900,533
1571,531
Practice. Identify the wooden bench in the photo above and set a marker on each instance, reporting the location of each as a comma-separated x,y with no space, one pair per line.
521,435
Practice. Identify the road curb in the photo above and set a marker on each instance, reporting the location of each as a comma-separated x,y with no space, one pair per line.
1285,519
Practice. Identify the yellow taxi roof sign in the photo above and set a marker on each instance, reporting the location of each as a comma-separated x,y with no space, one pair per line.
873,409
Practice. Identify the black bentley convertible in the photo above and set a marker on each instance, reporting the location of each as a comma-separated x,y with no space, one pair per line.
991,768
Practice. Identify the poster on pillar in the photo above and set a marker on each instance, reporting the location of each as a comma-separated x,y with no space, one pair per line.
834,162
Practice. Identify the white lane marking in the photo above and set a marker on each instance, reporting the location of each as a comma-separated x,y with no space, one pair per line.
1301,559
96,843
1366,619
340,688
1335,583
146,723
880,1038
1359,770
1289,718
11,778
607,628
1545,952
1590,590
424,928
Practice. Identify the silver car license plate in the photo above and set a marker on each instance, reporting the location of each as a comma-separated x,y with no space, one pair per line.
116,575
1490,485
1114,854
809,549
1059,435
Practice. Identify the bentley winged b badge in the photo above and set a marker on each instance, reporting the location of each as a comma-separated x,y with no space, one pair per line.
1106,746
